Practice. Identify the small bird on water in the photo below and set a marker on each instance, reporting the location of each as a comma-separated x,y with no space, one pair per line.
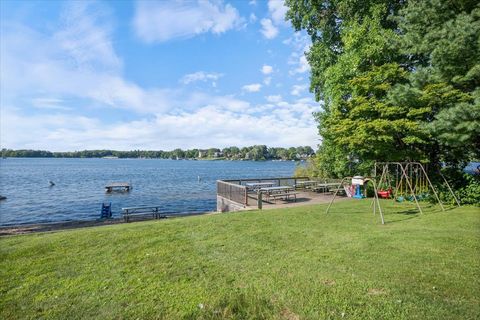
51,183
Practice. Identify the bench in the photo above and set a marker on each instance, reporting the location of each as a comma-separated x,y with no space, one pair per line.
137,211
281,195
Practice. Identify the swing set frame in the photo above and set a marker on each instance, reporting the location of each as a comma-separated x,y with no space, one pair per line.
375,202
413,179
410,177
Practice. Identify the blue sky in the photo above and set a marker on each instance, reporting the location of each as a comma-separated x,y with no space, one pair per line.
152,75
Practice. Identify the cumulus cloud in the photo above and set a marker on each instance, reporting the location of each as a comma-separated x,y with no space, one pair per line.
59,96
285,124
298,89
254,87
266,69
300,43
165,20
268,30
277,11
274,98
201,76
267,81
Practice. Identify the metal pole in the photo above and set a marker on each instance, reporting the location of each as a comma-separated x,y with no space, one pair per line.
379,183
451,191
335,195
433,189
378,202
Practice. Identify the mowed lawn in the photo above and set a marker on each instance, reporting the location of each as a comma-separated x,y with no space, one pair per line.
296,263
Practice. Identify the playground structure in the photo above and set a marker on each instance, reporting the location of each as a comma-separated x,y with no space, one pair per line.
399,181
402,181
356,183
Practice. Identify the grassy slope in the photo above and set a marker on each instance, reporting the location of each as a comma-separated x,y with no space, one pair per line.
280,264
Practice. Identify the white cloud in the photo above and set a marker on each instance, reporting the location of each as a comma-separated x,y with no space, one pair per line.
253,17
274,99
301,44
277,11
284,124
59,70
268,30
165,20
267,81
254,87
86,35
49,103
266,69
303,65
201,76
298,89
74,92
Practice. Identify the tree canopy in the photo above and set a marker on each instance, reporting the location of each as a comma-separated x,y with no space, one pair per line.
399,80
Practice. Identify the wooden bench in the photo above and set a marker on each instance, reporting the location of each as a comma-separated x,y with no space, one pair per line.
137,211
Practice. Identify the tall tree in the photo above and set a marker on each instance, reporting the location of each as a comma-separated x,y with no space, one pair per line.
392,79
354,64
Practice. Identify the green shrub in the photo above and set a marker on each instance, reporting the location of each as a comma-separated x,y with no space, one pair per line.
466,188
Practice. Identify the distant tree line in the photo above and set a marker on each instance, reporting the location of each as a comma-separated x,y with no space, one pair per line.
257,152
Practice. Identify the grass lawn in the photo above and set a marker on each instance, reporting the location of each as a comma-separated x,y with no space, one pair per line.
295,263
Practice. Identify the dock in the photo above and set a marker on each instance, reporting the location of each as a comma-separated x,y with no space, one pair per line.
118,186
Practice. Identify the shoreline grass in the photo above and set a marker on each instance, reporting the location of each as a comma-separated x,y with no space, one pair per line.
294,263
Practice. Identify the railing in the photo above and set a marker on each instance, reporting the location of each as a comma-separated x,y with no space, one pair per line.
232,191
236,189
288,181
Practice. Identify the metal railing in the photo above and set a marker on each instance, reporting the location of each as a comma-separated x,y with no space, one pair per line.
232,191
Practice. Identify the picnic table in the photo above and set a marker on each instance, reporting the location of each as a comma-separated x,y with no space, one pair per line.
306,184
282,192
137,211
328,187
255,186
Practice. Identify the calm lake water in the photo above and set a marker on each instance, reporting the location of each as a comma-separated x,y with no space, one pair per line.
79,185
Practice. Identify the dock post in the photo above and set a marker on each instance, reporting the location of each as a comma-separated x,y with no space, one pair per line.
259,200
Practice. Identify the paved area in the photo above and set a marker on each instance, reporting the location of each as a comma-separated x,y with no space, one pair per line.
303,198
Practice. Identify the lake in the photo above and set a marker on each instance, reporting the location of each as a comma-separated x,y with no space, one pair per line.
79,185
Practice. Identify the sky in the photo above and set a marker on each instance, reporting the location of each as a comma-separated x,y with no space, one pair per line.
152,75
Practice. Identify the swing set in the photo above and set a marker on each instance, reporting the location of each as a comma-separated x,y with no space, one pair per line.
409,181
400,181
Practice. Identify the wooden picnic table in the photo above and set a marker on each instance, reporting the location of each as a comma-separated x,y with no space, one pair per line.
279,192
258,185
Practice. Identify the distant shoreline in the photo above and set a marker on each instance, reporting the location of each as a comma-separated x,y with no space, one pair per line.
139,158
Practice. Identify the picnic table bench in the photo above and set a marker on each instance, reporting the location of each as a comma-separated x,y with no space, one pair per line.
282,192
137,211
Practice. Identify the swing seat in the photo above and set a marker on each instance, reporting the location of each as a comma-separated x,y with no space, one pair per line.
400,199
385,194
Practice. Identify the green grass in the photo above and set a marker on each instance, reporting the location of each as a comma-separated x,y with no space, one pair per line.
296,263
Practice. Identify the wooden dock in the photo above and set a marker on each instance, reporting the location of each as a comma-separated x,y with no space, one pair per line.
118,186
